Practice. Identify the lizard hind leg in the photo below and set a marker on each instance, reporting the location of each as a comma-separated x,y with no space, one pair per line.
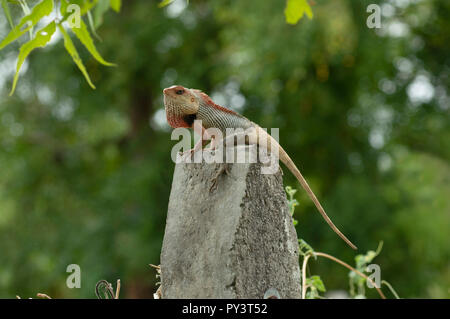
201,143
240,137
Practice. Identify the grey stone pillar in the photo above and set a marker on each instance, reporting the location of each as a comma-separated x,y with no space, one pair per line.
234,239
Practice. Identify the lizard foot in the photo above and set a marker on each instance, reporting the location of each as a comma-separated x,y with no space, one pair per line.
224,168
189,154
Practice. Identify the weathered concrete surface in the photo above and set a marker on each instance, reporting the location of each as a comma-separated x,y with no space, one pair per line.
235,241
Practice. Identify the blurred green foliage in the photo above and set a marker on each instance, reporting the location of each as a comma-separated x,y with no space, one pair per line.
86,174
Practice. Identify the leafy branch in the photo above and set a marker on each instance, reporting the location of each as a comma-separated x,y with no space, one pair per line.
72,12
352,269
293,12
312,286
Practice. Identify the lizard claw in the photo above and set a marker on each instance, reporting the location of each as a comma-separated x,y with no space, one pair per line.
223,169
187,154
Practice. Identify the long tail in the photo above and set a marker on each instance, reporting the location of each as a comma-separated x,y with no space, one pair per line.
284,157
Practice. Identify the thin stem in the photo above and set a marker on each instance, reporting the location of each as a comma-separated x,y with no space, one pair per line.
117,289
305,261
390,288
352,269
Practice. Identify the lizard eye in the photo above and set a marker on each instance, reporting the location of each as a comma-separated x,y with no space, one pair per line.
179,92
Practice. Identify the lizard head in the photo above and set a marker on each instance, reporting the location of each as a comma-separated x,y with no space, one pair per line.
181,106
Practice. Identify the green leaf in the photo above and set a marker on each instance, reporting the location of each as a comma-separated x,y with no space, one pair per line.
316,282
85,6
40,40
291,191
83,35
91,25
359,261
7,13
26,11
295,9
115,5
99,11
362,260
164,3
39,11
70,47
304,248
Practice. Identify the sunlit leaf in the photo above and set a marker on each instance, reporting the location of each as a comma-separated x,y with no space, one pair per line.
85,6
7,13
39,11
40,40
316,282
295,9
83,35
115,5
165,3
71,49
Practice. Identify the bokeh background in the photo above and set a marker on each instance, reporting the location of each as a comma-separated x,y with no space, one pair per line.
85,174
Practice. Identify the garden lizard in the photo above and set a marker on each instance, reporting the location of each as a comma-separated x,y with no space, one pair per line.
183,106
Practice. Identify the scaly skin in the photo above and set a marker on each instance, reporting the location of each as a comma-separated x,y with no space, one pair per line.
183,106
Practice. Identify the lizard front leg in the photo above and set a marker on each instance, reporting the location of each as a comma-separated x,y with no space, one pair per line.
204,140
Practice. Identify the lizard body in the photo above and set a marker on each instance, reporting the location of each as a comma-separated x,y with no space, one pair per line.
183,106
